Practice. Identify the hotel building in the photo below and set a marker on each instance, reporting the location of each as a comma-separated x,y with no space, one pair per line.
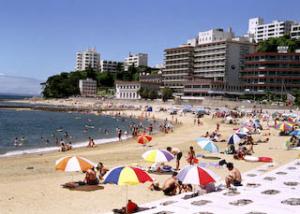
217,67
87,59
275,72
179,65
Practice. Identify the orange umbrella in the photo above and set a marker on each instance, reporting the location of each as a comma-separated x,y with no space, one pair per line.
144,138
73,164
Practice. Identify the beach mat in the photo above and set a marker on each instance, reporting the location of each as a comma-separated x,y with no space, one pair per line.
79,186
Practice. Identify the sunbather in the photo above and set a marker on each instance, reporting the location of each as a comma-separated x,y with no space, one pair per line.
91,177
170,186
102,170
234,177
131,207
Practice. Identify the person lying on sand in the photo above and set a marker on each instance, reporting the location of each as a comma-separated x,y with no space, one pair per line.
91,177
170,186
234,177
263,141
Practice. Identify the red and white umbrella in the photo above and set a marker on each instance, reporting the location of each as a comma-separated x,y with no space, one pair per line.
197,175
73,164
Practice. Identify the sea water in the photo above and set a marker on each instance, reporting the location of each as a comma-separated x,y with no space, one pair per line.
39,131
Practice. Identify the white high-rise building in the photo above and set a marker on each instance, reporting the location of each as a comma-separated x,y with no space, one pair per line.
295,32
214,35
86,59
253,23
264,31
136,60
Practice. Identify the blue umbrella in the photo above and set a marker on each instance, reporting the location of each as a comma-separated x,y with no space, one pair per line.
234,139
208,145
149,109
295,132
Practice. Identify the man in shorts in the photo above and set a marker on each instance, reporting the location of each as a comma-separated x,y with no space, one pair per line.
178,154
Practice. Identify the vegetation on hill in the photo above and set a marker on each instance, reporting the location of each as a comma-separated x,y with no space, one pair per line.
271,44
67,84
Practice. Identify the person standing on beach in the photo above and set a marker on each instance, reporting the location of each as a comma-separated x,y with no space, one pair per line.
120,134
191,156
150,128
176,152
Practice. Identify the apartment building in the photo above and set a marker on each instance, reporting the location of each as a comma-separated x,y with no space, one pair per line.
275,72
263,31
89,58
295,32
136,60
88,87
111,66
179,65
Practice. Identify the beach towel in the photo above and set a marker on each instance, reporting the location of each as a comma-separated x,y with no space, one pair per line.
81,186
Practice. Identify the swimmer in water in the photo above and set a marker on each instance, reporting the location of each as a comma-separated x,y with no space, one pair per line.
16,142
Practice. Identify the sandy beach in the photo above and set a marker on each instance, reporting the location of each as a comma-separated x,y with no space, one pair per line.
29,183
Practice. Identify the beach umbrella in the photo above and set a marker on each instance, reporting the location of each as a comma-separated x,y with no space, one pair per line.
196,175
73,164
243,130
126,175
234,139
157,156
286,126
149,109
295,132
144,139
207,145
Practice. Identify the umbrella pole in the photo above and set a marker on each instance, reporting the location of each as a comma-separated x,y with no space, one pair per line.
126,194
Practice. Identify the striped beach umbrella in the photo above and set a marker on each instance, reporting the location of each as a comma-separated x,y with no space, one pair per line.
207,145
73,164
234,139
285,126
197,175
157,156
126,175
144,139
243,130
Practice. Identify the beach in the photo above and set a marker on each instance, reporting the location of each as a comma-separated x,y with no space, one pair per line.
30,184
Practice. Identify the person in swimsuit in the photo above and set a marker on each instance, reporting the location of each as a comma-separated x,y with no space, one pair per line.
234,177
177,153
91,177
170,186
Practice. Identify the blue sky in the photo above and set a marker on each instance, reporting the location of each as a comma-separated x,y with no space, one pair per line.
40,37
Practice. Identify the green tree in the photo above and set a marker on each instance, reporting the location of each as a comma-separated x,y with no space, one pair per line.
153,94
167,93
105,79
